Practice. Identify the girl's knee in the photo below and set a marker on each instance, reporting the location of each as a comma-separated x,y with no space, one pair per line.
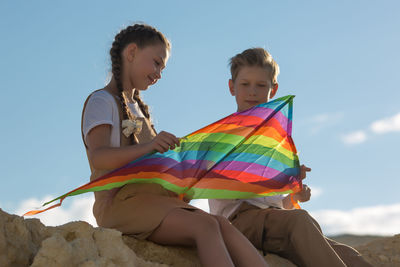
221,219
206,224
223,222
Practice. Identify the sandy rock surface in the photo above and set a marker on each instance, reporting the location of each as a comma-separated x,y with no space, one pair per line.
27,242
382,252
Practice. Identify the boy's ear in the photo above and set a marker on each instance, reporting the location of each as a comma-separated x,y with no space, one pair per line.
130,51
274,89
231,87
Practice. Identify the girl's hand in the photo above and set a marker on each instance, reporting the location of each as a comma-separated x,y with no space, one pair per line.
303,171
164,141
304,195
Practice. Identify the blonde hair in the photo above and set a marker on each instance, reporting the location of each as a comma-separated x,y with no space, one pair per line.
258,57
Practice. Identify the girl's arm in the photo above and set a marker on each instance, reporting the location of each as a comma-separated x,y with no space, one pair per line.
103,156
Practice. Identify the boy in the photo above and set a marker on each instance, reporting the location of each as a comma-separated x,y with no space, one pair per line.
271,223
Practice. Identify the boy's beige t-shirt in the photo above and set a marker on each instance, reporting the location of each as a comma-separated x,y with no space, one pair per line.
226,207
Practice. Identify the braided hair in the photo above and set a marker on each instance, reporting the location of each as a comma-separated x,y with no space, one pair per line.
142,35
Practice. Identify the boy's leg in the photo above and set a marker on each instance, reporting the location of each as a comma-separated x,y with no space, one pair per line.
300,237
349,255
291,234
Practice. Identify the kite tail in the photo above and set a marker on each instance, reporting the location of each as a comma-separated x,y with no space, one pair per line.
34,212
61,198
294,203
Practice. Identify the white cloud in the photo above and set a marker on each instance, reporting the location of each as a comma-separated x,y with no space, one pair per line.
315,191
326,117
318,122
77,208
386,125
356,137
373,220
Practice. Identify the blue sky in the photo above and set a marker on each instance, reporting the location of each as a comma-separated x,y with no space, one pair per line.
340,59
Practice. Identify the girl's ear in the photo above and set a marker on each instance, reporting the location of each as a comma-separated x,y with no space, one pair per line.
274,89
231,87
130,51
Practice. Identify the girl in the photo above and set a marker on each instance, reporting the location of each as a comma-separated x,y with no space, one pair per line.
139,53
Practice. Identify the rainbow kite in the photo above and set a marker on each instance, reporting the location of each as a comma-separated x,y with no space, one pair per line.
245,155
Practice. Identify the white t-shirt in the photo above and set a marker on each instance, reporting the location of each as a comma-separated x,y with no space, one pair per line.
102,108
226,207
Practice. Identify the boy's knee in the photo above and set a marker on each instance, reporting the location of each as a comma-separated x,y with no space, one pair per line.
300,218
300,214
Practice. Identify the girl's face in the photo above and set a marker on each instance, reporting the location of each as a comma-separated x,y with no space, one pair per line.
144,65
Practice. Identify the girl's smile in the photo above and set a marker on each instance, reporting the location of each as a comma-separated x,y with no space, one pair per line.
144,65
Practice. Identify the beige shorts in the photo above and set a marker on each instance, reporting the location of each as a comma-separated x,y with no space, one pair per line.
136,209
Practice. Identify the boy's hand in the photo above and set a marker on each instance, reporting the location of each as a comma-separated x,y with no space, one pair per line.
304,195
303,171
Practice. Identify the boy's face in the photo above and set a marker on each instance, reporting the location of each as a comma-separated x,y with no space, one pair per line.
252,87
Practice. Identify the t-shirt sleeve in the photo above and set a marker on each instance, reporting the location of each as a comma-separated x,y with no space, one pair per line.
98,111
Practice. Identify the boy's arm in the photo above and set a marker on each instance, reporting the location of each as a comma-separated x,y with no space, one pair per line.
302,196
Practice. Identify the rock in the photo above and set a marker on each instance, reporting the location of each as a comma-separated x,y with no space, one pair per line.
168,255
79,244
382,251
27,242
19,239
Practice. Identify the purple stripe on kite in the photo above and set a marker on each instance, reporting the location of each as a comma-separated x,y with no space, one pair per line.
166,164
193,168
162,170
248,167
276,182
281,179
184,169
172,163
262,112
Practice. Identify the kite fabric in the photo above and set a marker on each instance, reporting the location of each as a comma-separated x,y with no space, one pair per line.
245,155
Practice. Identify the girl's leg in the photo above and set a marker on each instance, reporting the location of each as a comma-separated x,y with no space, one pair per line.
183,227
243,253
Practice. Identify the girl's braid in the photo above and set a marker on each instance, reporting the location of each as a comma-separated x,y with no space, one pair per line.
143,107
116,67
142,35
